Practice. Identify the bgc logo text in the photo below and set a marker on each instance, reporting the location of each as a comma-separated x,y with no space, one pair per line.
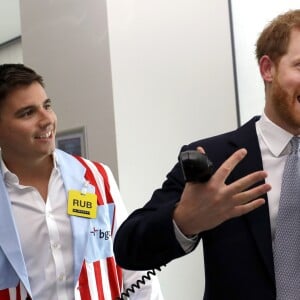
101,234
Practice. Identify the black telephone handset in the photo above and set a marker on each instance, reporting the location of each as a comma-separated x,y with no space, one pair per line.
196,167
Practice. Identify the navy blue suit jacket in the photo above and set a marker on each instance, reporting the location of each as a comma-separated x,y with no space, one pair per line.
237,254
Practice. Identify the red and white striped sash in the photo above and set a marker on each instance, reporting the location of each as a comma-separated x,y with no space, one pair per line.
17,293
99,280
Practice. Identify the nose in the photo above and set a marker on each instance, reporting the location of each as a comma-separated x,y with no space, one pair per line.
45,117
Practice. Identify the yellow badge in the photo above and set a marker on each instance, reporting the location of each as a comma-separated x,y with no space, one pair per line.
82,205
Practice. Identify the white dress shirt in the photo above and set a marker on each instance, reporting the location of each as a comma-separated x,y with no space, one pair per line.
274,147
45,235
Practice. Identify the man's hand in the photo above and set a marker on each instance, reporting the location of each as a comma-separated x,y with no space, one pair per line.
204,206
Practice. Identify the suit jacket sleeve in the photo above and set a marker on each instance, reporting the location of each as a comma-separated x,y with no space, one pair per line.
146,239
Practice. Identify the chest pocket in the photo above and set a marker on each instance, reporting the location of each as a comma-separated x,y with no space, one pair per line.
100,245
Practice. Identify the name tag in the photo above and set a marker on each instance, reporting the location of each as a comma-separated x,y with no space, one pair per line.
82,205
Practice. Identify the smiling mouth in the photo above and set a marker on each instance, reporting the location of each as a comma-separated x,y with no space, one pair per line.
45,136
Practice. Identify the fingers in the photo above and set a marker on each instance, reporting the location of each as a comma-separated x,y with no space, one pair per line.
201,150
246,182
243,202
251,194
246,208
225,169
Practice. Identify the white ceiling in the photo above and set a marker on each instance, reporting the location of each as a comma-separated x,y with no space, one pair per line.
10,25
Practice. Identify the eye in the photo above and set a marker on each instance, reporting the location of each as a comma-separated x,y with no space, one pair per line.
26,113
48,105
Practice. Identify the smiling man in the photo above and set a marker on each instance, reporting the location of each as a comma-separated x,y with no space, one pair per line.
251,247
58,213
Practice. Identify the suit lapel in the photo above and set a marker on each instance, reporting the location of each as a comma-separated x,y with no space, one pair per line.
259,219
9,239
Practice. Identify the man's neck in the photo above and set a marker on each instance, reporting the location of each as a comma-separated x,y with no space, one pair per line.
28,170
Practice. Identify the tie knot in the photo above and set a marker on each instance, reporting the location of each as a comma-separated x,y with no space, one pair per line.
295,144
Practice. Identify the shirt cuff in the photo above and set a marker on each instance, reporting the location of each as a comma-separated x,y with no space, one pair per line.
187,243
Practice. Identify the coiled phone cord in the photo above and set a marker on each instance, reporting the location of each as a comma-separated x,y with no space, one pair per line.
137,285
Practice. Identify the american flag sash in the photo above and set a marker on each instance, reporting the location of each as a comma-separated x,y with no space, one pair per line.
17,293
100,279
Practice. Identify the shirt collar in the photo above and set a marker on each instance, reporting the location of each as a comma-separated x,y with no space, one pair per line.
10,177
275,138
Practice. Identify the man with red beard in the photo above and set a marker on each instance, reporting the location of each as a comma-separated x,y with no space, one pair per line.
58,212
238,233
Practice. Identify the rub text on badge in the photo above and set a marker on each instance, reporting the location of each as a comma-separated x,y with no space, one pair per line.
82,205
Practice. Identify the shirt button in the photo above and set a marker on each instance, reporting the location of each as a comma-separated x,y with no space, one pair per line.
61,277
56,245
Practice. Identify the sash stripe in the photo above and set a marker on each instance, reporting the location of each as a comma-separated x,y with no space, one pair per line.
4,294
92,280
113,278
101,170
98,277
84,284
105,279
90,177
18,296
17,293
120,278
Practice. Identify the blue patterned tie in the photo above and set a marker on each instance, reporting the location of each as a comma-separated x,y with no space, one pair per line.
287,236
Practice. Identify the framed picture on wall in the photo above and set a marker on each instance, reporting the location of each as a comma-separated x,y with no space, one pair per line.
72,141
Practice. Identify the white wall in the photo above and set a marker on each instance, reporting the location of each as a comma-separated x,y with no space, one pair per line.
11,52
172,84
10,20
171,75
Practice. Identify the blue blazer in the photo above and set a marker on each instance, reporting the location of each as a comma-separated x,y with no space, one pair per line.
237,254
12,265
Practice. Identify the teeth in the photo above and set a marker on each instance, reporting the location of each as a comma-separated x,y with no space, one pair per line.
45,136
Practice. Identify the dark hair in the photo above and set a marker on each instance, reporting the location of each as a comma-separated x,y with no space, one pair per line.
274,39
14,76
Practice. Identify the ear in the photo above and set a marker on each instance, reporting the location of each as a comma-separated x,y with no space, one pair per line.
266,67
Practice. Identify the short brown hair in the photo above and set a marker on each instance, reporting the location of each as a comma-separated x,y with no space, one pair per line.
275,38
13,76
